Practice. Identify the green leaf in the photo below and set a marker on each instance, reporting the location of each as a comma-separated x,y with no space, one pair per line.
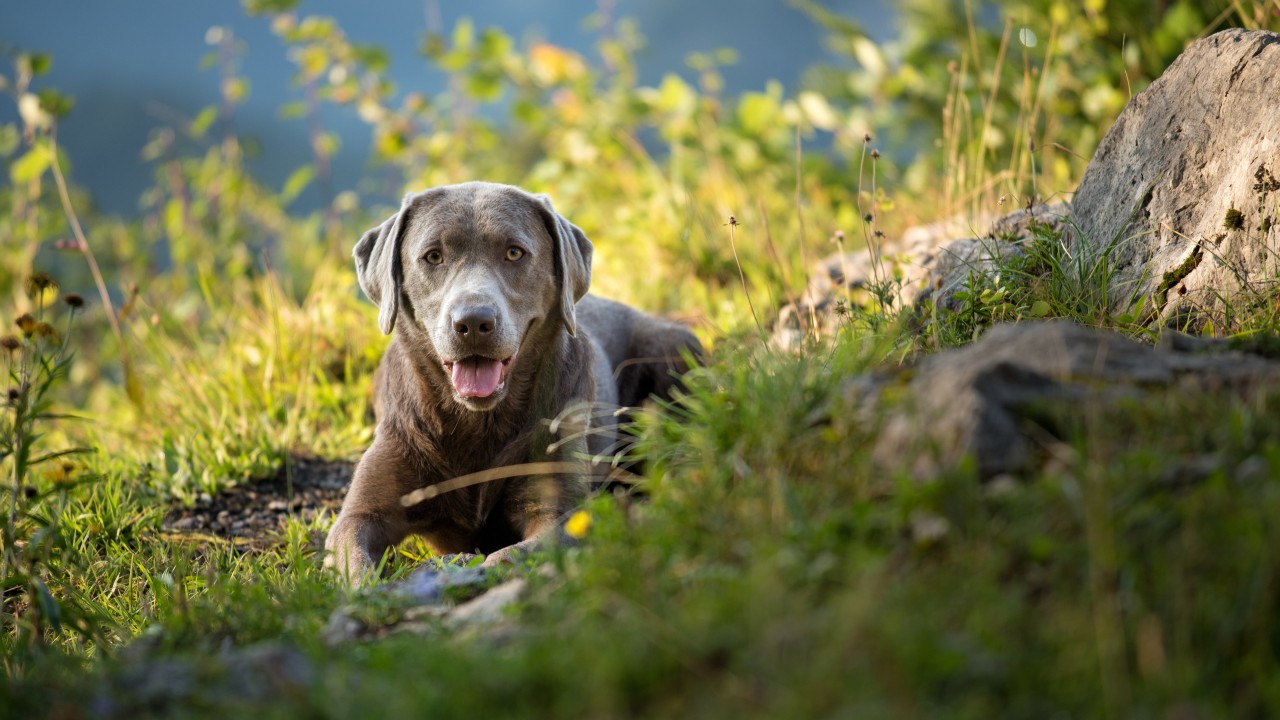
264,7
55,103
1039,309
48,605
55,455
30,166
297,182
204,121
40,63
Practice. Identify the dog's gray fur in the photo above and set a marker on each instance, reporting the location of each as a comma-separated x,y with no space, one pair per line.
568,351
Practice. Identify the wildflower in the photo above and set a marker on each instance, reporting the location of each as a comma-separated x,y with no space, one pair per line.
26,324
10,343
38,283
73,300
578,524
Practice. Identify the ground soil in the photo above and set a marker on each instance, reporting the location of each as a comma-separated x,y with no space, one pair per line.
304,488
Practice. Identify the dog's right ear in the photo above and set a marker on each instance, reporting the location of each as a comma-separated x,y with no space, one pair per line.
378,266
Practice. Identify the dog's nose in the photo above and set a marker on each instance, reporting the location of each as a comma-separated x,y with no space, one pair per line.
474,320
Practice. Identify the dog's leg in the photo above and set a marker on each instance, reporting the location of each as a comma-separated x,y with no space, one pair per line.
538,507
372,519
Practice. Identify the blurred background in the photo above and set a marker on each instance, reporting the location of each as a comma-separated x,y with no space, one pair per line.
134,65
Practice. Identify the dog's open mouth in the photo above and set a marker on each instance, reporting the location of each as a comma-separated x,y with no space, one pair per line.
478,376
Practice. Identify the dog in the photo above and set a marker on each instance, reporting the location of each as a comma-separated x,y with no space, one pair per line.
497,344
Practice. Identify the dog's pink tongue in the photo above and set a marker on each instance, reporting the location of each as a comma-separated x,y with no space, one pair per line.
477,377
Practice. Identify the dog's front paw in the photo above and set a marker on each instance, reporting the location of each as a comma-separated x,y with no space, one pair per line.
510,555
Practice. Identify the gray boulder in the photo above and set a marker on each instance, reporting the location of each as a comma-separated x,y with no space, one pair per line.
922,269
987,401
1183,193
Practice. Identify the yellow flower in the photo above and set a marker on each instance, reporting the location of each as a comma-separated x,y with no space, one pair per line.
578,524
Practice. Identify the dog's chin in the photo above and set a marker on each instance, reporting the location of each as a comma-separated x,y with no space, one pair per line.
481,404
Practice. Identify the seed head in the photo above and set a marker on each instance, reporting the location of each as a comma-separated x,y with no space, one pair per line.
839,236
875,154
867,218
45,330
10,343
38,283
14,394
26,324
73,300
866,138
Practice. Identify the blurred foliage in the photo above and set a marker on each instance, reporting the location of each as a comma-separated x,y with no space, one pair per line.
1008,99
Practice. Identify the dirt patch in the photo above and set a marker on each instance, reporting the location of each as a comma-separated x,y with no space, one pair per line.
303,489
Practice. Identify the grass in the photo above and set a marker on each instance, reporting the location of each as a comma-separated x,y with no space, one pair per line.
770,569
773,573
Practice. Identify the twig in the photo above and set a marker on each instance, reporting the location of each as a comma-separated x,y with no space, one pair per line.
498,473
733,223
83,247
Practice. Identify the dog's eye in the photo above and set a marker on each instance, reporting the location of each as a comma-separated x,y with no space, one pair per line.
514,253
434,257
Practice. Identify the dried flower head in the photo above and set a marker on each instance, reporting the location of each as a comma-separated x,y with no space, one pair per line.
10,343
26,324
14,394
74,300
866,138
46,330
875,154
38,283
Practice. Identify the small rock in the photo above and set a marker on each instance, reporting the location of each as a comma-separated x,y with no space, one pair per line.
489,607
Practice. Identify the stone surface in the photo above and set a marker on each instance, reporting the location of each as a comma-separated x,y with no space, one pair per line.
931,263
1184,190
945,269
984,401
237,676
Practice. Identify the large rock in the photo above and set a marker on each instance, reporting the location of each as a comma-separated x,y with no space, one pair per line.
1184,190
988,401
923,269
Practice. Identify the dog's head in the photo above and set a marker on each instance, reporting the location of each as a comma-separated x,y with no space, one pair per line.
475,268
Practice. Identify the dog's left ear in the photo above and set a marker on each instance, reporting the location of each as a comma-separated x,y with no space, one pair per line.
378,265
572,261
